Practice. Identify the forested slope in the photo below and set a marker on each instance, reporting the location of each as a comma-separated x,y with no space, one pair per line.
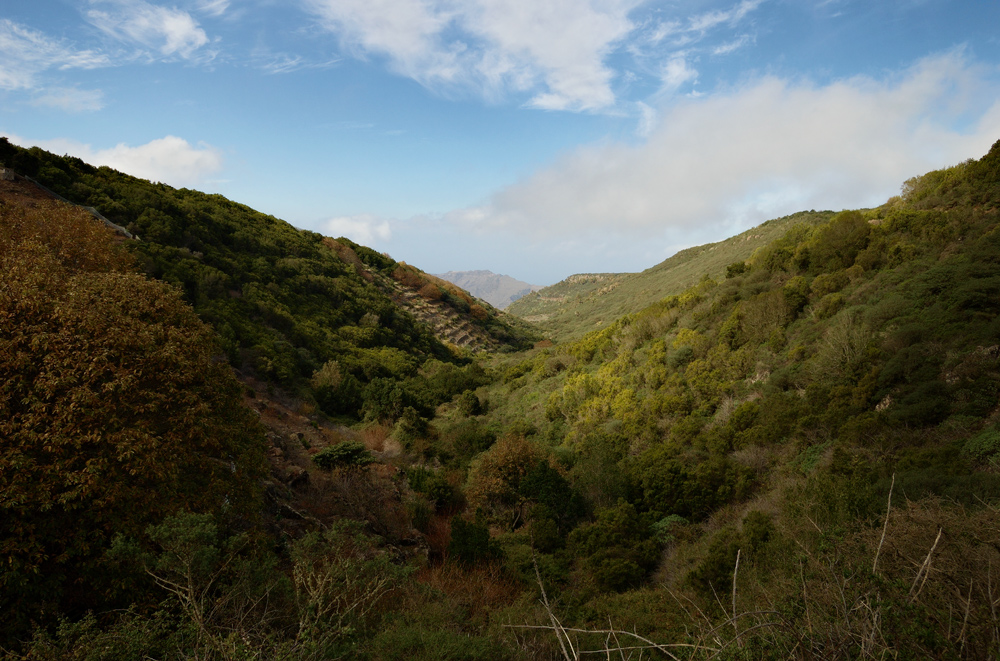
284,302
115,412
586,302
796,457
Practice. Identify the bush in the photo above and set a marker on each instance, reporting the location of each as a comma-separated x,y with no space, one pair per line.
470,543
348,454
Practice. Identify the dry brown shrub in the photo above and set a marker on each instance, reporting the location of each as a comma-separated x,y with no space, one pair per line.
431,292
408,276
375,437
482,590
438,536
478,312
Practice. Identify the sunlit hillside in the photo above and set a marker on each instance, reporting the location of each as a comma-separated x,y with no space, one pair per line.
592,301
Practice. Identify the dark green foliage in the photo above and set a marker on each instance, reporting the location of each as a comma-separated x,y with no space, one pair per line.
383,400
735,269
546,486
714,575
420,642
347,454
984,446
673,486
469,404
435,486
618,549
471,544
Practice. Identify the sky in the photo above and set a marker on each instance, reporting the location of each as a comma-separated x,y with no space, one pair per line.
534,138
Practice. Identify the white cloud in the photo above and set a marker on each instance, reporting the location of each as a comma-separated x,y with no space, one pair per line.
71,99
170,32
647,119
772,147
213,7
709,20
676,72
731,46
365,229
25,54
171,160
695,28
555,49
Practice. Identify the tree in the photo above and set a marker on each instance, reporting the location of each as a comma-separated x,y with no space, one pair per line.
116,410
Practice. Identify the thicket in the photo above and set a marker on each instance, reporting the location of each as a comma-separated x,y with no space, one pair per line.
116,410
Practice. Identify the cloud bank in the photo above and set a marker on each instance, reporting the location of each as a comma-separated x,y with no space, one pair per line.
171,160
365,229
556,51
765,149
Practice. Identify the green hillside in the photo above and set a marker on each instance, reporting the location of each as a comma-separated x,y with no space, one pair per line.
795,459
590,301
284,302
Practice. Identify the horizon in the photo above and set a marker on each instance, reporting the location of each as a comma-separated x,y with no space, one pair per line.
531,141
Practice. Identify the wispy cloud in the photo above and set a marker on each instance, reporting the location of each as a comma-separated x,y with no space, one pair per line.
554,51
171,160
732,46
213,7
25,54
281,63
772,147
165,32
365,229
70,99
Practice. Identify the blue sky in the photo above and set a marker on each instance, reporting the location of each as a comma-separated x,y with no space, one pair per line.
537,138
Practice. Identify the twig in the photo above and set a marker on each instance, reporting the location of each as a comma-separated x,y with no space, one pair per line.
663,647
965,622
925,568
556,625
614,634
805,597
885,526
736,568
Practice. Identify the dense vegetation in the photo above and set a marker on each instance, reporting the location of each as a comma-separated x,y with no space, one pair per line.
587,302
284,302
795,458
114,413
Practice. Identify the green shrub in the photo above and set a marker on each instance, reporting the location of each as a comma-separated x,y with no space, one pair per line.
347,454
470,543
985,445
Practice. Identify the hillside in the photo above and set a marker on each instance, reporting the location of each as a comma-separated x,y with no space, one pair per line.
590,301
115,411
797,459
285,302
497,290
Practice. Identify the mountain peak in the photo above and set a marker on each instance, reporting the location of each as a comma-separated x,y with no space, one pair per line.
496,289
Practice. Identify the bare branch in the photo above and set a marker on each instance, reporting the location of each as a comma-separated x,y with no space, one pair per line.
885,526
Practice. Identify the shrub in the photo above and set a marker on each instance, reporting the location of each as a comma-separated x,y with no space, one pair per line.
470,543
348,454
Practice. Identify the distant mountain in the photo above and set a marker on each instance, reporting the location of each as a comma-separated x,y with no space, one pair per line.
497,290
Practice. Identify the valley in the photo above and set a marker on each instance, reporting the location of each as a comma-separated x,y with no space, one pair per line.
227,438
